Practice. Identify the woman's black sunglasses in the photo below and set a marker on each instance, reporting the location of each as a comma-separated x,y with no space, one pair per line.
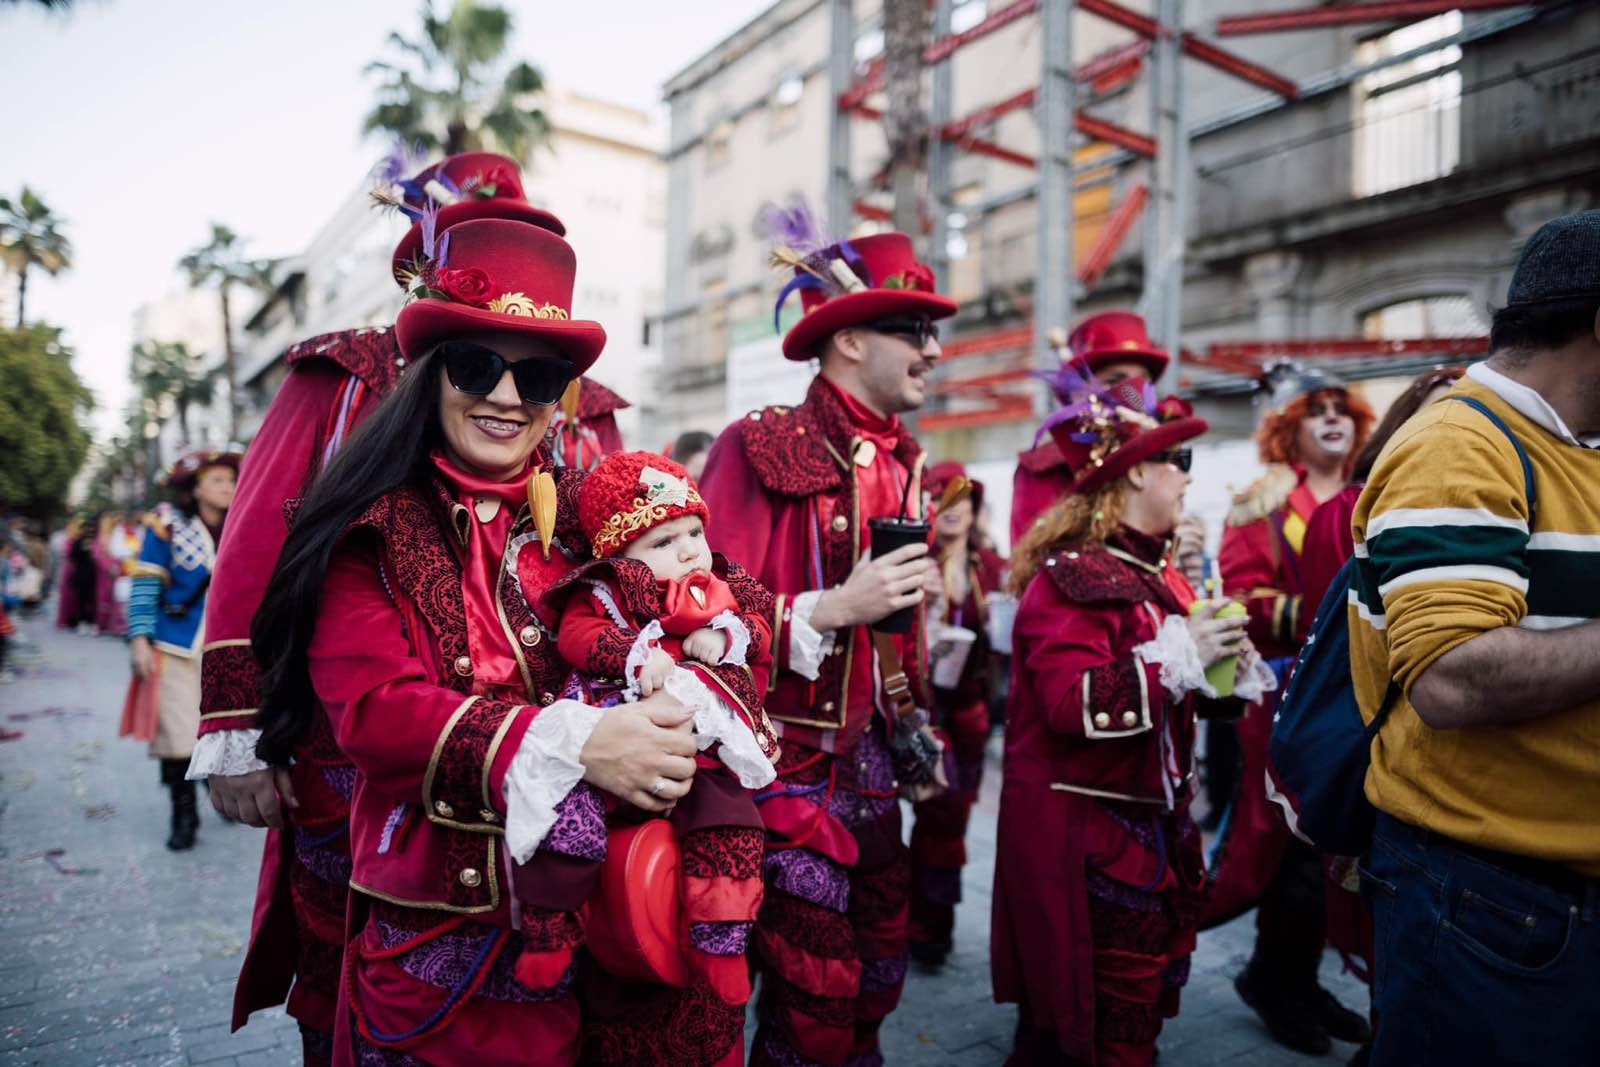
1182,458
918,331
476,370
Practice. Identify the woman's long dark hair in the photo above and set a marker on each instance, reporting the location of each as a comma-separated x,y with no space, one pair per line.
390,449
1405,405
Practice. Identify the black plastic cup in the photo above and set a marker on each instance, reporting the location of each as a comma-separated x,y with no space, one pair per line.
888,534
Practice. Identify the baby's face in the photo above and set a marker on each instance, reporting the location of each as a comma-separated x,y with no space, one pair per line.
674,549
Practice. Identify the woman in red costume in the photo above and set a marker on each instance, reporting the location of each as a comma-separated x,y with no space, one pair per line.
401,605
1099,877
1310,443
970,574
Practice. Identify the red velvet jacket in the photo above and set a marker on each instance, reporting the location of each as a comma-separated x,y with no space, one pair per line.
781,479
1087,715
1042,478
391,665
1260,559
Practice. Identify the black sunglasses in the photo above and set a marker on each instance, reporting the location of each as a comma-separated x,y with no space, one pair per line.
1182,458
918,331
476,370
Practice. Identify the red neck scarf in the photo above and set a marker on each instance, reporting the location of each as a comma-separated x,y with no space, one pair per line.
494,664
884,431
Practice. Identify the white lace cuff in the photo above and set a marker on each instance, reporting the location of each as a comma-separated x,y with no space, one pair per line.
807,647
227,754
714,721
1255,679
1179,657
738,638
544,771
639,655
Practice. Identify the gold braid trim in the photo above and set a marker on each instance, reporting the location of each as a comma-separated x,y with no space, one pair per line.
622,527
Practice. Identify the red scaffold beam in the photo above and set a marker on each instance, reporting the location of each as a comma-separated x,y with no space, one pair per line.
945,47
1343,347
954,131
1350,14
1194,47
870,83
1116,231
1121,136
1111,69
1003,409
979,344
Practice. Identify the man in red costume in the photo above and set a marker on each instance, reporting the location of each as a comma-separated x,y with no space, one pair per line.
1310,442
335,381
848,701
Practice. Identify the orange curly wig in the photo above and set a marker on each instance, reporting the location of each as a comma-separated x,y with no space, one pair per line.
1278,438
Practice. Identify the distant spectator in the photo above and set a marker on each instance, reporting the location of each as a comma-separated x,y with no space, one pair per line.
1474,611
690,450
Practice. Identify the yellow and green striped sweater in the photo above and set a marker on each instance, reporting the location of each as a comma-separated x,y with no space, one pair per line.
1444,553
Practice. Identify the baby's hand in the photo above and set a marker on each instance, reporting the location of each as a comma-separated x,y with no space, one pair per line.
655,672
706,645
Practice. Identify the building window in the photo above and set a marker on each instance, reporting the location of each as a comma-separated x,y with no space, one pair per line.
1408,115
719,142
967,14
1429,316
785,103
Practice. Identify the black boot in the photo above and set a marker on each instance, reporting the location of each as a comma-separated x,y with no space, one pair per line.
1289,1019
1341,1023
185,812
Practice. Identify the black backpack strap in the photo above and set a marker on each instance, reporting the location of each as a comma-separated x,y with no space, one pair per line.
1522,453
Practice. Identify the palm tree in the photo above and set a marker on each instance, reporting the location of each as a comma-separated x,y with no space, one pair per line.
30,236
906,27
444,95
169,372
222,262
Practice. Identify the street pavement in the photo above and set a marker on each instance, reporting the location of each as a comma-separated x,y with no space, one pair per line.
115,951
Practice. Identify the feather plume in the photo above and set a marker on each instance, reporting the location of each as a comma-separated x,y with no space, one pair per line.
795,227
402,160
785,256
569,400
542,506
802,281
430,226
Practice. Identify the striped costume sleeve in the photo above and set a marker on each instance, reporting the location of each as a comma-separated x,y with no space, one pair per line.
150,578
1442,540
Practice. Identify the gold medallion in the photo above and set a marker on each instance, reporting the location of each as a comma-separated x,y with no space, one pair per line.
698,594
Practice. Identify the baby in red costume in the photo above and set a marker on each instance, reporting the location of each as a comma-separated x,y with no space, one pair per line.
656,609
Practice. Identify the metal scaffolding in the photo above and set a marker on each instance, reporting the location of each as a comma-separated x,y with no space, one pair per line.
1163,43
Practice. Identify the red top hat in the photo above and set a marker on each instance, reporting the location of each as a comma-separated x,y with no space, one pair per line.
936,477
631,493
186,470
472,185
497,277
1104,432
856,282
1117,337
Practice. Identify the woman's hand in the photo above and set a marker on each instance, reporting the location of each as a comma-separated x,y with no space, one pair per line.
1216,638
142,657
257,798
643,753
655,672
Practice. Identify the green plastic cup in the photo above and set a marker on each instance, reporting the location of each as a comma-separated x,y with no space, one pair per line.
1222,674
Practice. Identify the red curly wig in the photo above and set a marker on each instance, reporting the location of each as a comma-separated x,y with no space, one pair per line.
1278,438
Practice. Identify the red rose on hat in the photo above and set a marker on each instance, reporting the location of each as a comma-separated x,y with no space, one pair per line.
466,285
500,180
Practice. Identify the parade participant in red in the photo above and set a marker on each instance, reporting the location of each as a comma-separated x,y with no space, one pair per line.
1099,877
1310,442
335,382
657,611
400,607
957,627
805,481
1111,346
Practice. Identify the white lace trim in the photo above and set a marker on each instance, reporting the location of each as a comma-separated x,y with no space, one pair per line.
544,770
639,655
1174,649
715,722
226,754
1255,679
807,647
738,638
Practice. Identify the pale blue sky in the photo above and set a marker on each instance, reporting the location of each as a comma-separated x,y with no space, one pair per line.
140,121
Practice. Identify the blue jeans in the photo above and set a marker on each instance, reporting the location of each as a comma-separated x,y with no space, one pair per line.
1481,958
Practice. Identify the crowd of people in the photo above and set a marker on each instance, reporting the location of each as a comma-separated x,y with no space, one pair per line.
565,752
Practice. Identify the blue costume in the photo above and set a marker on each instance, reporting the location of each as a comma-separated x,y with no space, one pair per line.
170,579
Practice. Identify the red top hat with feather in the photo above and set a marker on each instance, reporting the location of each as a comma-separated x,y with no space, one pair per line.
493,277
845,283
1117,337
1104,431
459,188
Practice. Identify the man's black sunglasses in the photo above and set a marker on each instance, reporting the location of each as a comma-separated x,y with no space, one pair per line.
918,331
476,370
1182,458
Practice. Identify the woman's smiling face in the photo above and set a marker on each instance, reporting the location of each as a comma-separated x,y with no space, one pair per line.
493,436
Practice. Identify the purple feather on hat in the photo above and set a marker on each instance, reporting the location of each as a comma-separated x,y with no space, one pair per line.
401,161
795,226
430,225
